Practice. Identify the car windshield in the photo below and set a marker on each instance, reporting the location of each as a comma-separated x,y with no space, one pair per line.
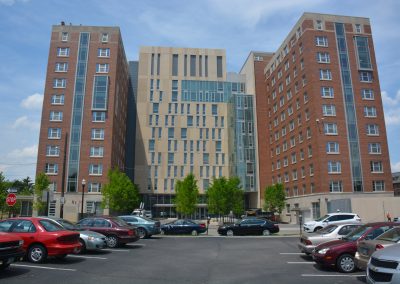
356,234
321,218
328,229
392,235
51,226
68,225
119,221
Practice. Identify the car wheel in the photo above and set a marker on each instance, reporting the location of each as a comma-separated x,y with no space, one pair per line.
317,228
195,233
142,233
112,241
229,233
82,249
345,263
266,232
37,253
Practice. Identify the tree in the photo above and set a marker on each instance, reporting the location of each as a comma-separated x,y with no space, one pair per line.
41,184
274,198
187,194
120,194
225,195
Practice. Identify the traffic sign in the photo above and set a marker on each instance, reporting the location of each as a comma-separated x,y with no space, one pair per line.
11,199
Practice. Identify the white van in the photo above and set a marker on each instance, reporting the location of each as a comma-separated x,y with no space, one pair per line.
329,219
142,213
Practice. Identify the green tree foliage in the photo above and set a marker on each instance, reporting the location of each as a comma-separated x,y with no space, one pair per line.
41,184
225,195
187,194
120,194
274,198
3,192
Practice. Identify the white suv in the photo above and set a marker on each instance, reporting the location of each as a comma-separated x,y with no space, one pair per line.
331,218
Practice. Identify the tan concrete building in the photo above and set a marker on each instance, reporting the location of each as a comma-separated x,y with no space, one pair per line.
327,138
84,114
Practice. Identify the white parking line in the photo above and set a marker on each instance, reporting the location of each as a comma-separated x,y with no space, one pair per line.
138,245
300,262
296,253
119,250
84,256
43,267
332,275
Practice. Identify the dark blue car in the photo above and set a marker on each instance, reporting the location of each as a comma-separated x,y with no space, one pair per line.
183,226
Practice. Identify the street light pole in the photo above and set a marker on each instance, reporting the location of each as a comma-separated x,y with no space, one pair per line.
83,196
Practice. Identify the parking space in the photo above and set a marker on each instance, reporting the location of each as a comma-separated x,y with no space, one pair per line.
185,260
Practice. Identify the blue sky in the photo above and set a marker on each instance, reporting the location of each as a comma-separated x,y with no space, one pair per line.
235,25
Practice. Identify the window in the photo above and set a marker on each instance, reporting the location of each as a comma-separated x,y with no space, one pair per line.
98,116
102,68
64,36
183,133
63,51
61,67
378,185
103,52
376,167
171,133
96,151
56,116
321,41
334,167
51,168
374,148
54,133
357,28
192,65
293,158
171,158
52,151
155,107
59,83
205,158
329,110
325,74
366,76
104,37
367,94
327,92
318,24
95,169
94,187
369,111
323,57
335,186
57,99
332,148
362,51
294,175
174,64
219,66
311,169
330,129
285,161
97,134
372,130
214,109
218,146
309,151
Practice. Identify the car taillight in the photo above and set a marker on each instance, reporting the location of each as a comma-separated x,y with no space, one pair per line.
131,233
308,242
379,246
202,225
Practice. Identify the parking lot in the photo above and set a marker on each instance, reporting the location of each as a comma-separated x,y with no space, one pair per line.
173,259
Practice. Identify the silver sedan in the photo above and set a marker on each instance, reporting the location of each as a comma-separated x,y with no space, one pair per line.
332,232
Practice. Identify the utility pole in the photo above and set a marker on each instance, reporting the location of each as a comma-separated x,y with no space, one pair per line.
62,199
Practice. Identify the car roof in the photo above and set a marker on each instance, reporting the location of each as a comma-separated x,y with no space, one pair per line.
341,213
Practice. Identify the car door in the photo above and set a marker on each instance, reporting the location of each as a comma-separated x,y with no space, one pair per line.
177,227
244,228
102,226
26,230
256,226
187,227
331,220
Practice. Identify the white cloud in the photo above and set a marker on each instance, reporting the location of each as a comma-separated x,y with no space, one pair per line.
11,2
389,101
34,101
24,122
391,106
24,153
395,167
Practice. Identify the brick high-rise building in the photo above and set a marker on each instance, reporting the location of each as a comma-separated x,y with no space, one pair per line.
327,138
84,107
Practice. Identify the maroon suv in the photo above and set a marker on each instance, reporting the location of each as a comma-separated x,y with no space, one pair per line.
340,253
116,230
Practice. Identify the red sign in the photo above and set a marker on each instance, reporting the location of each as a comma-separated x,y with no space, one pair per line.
11,199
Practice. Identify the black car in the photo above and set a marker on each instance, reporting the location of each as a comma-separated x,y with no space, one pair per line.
183,226
250,226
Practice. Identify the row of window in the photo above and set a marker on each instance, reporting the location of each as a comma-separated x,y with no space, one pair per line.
214,108
169,120
103,38
54,151
55,133
94,169
173,146
218,159
65,51
216,134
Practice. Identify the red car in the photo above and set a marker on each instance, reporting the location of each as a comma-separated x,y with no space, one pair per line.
42,237
340,253
116,230
10,249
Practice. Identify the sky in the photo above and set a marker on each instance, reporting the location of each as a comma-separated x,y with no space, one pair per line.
238,26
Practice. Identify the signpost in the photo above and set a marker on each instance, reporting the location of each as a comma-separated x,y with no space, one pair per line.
11,199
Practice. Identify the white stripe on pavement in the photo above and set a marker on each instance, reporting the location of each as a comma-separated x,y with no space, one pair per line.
296,253
120,250
43,267
301,262
85,256
137,245
331,275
